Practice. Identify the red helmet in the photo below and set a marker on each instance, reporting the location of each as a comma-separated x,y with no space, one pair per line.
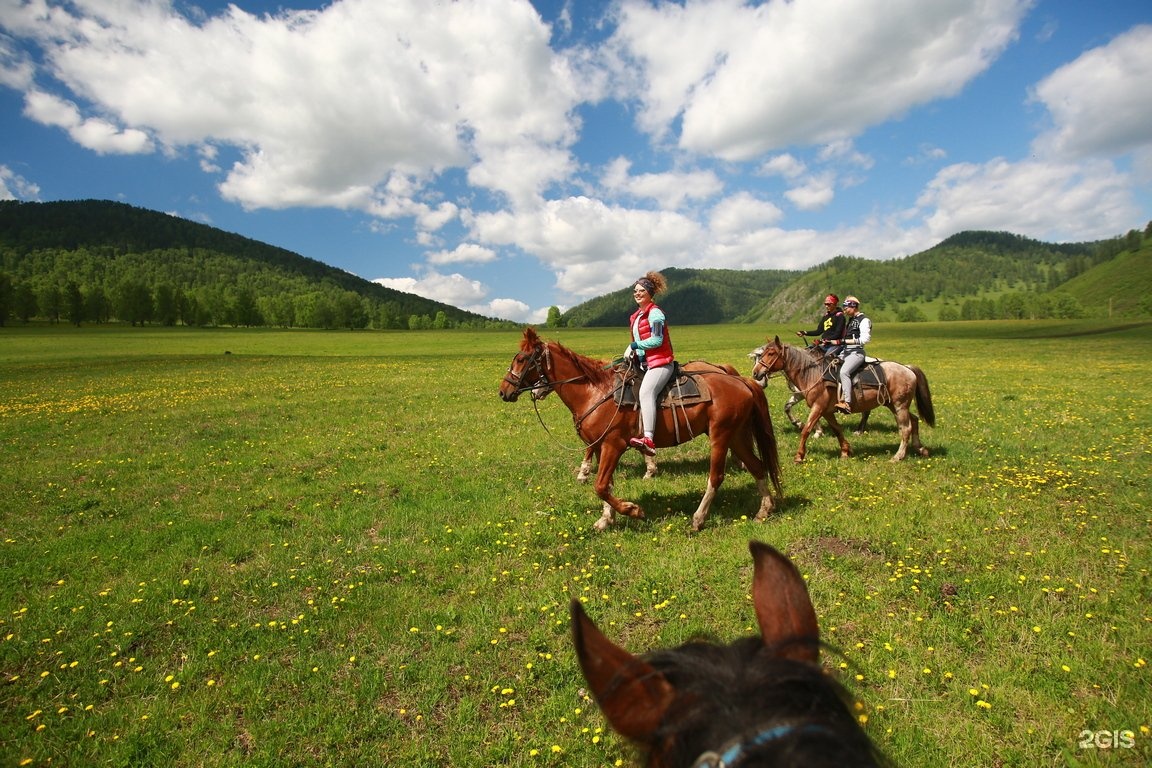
832,298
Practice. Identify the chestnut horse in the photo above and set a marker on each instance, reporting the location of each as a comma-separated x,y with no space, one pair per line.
735,417
903,383
584,471
761,701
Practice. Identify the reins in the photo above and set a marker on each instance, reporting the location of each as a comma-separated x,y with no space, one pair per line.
785,353
534,361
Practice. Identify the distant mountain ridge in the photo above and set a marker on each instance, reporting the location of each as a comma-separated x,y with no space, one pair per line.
970,275
102,246
98,260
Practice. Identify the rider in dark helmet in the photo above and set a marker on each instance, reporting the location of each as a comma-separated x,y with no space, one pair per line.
857,333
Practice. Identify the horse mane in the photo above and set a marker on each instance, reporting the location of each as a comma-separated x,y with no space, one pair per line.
746,688
594,371
809,366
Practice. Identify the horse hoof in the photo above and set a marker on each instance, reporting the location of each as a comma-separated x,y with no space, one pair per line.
633,511
924,452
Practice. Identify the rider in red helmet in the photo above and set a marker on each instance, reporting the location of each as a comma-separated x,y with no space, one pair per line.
831,328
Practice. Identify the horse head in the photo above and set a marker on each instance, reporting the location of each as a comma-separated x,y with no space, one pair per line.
759,701
769,359
528,370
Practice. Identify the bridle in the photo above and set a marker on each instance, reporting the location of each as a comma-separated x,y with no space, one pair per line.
758,355
734,752
537,360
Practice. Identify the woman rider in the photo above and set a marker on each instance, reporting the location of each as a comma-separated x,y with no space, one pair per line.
652,344
857,333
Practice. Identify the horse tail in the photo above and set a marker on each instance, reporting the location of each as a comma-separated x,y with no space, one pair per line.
924,397
764,434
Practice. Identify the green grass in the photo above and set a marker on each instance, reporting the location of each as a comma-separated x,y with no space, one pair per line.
343,549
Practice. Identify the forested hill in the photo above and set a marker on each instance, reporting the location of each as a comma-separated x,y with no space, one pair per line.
969,276
694,297
97,260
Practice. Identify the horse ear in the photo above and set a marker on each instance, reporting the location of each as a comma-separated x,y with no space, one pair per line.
778,342
631,693
783,608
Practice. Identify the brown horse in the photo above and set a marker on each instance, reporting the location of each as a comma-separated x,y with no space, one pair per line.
903,383
735,417
761,701
592,452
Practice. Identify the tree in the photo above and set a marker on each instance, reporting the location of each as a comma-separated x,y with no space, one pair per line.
132,302
5,298
51,302
166,312
554,318
74,303
96,305
24,302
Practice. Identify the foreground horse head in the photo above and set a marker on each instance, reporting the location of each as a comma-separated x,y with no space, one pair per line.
757,702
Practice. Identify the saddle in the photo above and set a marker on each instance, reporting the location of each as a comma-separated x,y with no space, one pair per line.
868,376
684,388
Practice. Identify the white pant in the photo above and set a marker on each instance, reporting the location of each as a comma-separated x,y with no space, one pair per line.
654,381
853,360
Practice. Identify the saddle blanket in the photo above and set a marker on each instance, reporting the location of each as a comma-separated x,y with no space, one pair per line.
683,388
870,376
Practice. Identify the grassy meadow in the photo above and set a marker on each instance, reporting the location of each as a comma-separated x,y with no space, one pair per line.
294,548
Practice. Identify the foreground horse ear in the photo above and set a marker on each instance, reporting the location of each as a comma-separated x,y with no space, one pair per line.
783,608
778,342
530,336
630,692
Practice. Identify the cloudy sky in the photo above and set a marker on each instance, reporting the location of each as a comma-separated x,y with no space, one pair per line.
505,156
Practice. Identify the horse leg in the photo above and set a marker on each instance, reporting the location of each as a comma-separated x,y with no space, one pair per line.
609,457
745,452
719,455
904,422
862,427
838,431
813,417
788,409
916,444
585,470
650,467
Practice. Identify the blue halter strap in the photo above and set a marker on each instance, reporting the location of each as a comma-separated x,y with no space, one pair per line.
734,751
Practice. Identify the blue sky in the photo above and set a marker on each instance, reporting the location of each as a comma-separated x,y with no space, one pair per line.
505,156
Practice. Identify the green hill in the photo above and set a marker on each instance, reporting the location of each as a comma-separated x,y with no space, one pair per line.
969,276
1121,286
97,260
694,297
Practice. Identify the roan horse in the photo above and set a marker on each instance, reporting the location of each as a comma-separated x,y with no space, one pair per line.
903,383
735,417
761,701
